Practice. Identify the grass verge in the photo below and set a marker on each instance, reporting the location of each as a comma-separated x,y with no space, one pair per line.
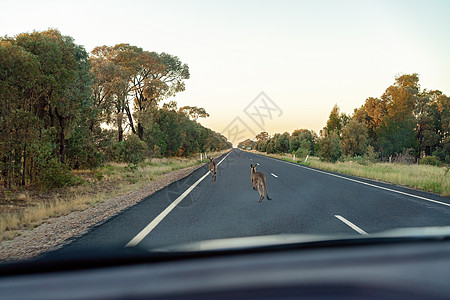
27,208
423,177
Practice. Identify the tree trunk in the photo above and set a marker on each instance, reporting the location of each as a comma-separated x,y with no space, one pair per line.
62,138
31,169
10,171
130,119
24,167
140,131
62,146
5,172
120,130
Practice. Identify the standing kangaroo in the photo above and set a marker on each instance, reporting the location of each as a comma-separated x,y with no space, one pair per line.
212,169
259,182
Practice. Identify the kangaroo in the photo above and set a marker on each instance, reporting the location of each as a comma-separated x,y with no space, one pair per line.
212,169
259,182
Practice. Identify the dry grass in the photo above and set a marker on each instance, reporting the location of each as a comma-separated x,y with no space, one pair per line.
424,177
26,209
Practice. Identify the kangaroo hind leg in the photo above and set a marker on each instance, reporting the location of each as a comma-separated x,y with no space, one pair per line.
261,194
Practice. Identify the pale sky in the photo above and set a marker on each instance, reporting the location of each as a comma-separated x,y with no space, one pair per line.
305,55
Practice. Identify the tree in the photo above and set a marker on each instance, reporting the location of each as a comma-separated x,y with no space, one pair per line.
371,114
194,112
109,89
262,136
247,144
64,80
354,139
401,97
397,131
396,135
18,75
300,135
330,149
336,120
270,146
281,143
151,77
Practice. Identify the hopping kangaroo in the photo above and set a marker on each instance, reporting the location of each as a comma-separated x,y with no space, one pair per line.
212,169
259,182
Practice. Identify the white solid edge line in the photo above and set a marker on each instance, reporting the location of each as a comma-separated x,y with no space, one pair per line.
144,232
274,175
369,184
351,225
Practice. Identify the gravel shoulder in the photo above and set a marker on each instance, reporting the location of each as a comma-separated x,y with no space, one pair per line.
56,232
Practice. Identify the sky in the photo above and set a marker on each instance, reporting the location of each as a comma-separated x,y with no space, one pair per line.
304,56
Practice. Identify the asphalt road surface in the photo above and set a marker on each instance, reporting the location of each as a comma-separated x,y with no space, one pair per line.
304,201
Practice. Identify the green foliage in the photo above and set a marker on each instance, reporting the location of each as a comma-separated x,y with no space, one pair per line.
261,145
336,121
301,152
354,139
247,144
282,142
330,149
270,147
132,150
371,155
443,151
82,151
55,175
396,135
430,160
54,97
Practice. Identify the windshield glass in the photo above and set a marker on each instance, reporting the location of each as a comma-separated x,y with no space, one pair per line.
144,124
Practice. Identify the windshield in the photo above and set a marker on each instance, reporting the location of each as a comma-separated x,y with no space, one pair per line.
145,124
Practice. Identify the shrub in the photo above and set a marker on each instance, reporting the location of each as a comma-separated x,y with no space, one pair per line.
430,160
301,152
270,148
132,150
55,175
443,152
330,149
371,155
354,139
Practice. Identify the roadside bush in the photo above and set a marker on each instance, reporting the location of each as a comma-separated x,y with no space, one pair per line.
354,139
430,160
304,149
55,175
132,150
443,152
270,148
330,149
301,152
371,155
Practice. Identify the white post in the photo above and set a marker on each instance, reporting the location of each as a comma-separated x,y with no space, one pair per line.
293,157
306,157
206,156
201,158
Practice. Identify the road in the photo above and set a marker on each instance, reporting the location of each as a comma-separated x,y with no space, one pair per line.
304,200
